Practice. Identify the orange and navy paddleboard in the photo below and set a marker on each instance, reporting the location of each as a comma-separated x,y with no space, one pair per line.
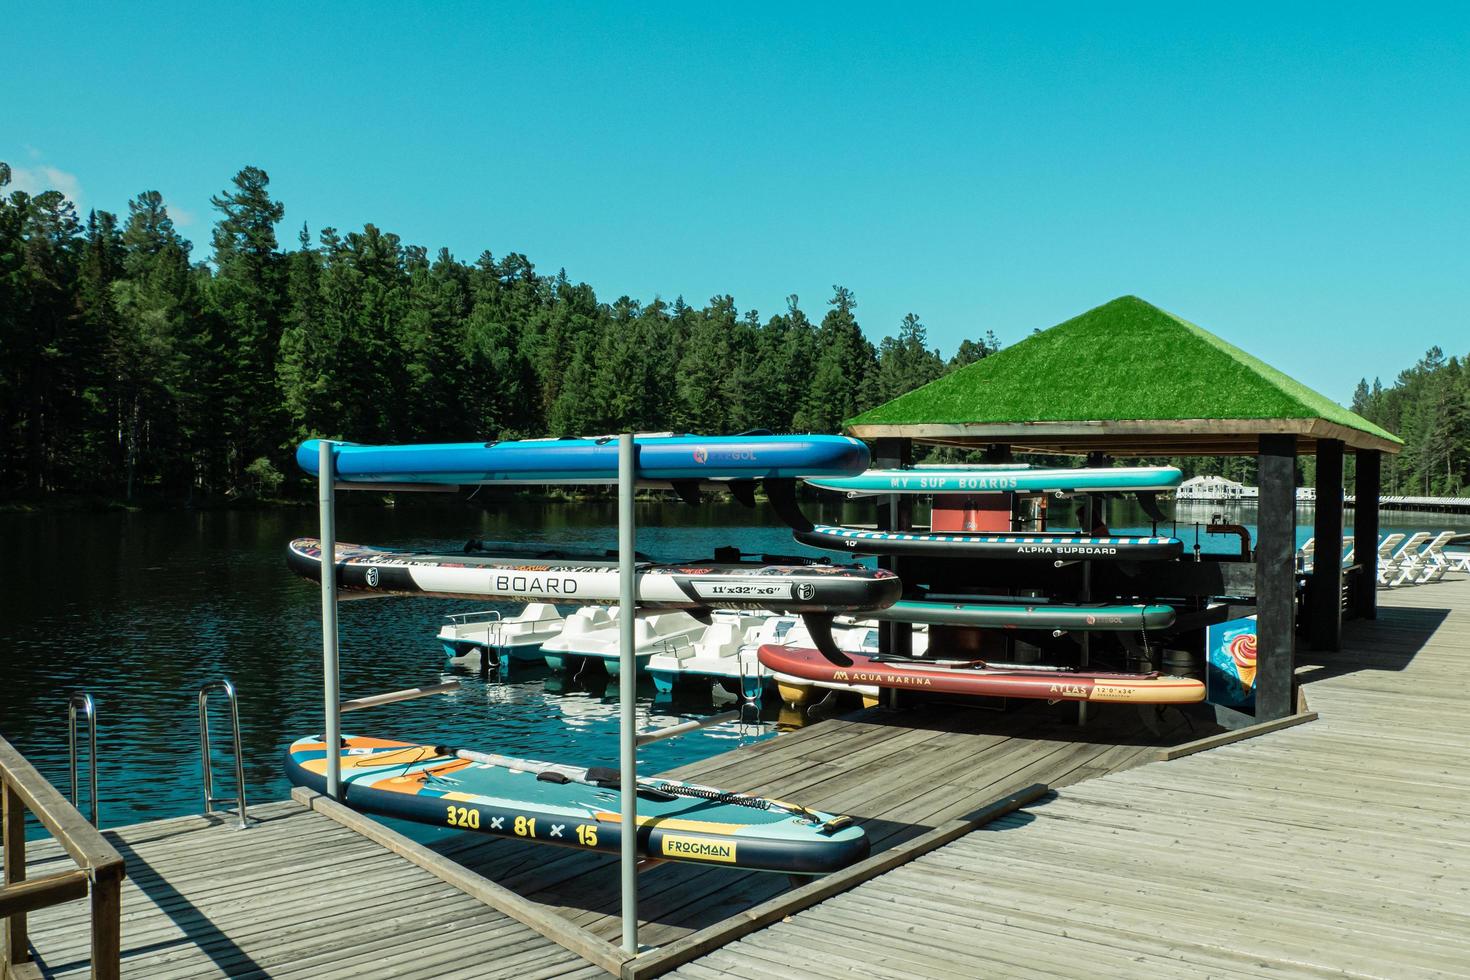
570,806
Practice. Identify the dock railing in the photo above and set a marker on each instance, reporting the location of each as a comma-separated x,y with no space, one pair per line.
99,869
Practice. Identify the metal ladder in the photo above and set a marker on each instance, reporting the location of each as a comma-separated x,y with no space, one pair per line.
752,683
209,798
82,700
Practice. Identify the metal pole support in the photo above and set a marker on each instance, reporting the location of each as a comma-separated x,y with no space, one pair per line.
331,679
628,690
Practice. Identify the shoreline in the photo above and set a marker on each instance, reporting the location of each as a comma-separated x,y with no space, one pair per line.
74,503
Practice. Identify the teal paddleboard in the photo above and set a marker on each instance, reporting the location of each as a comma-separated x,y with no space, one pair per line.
984,479
1028,614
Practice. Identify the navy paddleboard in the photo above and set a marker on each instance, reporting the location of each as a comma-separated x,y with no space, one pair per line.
1068,547
813,587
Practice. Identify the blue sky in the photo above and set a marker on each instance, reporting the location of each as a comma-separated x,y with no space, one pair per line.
1295,181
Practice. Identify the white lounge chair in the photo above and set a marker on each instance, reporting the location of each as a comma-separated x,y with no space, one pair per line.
1386,548
1389,567
1409,561
1430,564
1306,554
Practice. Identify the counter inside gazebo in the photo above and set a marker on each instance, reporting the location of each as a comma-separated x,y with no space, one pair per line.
1128,379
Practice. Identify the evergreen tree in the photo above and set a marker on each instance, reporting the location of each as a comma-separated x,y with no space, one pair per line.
845,363
246,294
906,362
156,351
15,328
303,365
971,351
47,346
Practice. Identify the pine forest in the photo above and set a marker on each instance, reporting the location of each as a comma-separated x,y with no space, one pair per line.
132,368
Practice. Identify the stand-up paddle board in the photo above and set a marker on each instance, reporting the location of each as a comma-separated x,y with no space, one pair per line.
816,587
969,479
1029,614
1071,547
977,678
570,806
660,458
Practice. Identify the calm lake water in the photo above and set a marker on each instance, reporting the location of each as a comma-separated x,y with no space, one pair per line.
140,609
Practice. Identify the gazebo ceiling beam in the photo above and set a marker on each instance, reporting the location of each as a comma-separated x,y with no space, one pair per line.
1185,437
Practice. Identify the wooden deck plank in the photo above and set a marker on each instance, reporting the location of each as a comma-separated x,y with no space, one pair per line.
289,896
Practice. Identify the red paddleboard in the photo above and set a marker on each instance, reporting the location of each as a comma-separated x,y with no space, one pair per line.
976,677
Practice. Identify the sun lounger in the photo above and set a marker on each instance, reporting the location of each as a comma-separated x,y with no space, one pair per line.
1306,554
1389,567
1386,549
1429,565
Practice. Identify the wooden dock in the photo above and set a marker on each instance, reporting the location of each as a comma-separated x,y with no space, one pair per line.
300,894
1338,847
1334,847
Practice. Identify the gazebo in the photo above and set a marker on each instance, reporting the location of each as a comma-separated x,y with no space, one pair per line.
1128,379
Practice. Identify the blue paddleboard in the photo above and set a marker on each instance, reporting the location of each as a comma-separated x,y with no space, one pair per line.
660,458
988,479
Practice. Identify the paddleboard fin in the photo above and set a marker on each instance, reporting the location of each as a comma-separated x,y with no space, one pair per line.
1149,501
744,492
782,494
688,490
819,625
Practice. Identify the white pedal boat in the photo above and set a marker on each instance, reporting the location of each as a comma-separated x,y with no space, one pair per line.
469,636
718,658
591,639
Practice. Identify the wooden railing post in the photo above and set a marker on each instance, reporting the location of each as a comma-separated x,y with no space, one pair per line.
100,869
107,925
17,946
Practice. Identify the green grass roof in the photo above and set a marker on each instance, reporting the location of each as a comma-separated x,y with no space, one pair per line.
1124,360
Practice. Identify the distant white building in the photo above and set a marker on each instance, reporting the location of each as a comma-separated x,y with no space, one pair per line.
1213,489
1219,490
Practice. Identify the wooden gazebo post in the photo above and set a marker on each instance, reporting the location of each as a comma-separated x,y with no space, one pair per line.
1276,577
1367,482
1324,594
